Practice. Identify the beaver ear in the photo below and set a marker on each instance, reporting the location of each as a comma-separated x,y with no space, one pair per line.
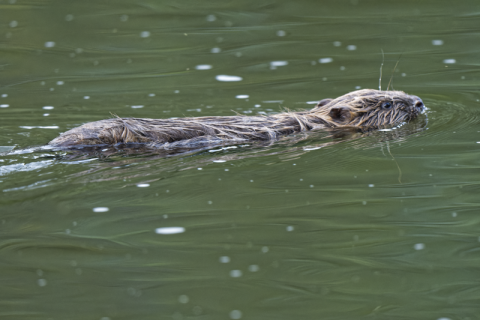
340,114
323,103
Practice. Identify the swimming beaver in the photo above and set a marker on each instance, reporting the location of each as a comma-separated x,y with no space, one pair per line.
365,108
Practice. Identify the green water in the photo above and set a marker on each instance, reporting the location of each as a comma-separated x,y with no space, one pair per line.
381,226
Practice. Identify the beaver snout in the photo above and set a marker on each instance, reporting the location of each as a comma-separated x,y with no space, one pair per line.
419,106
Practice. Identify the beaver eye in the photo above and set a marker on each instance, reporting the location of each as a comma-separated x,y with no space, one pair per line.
387,105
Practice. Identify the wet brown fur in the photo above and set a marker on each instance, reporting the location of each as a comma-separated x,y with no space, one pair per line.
358,109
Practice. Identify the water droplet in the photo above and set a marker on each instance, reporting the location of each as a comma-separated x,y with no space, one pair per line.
143,185
236,273
224,259
419,246
235,314
227,78
170,230
253,268
203,67
183,299
325,60
211,18
42,282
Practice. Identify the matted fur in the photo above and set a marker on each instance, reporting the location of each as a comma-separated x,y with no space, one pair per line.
362,109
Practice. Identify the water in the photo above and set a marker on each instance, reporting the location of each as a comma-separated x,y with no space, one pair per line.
380,226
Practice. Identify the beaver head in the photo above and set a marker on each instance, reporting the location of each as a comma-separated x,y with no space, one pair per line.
370,108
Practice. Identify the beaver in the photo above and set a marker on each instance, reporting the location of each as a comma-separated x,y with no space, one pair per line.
361,109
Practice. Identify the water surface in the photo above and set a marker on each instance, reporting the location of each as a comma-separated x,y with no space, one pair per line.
377,226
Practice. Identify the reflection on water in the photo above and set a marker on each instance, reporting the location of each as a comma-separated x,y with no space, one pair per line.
344,225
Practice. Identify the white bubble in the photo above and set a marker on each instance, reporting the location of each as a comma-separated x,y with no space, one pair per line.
100,209
4,105
211,18
49,44
437,42
235,314
79,50
145,34
281,33
337,43
227,78
42,282
449,61
137,107
143,185
325,60
13,24
215,50
351,47
265,249
444,318
39,127
46,114
203,67
371,185
419,246
278,63
253,268
86,97
235,273
242,96
151,94
183,299
48,107
4,95
290,228
219,161
224,259
170,230
60,83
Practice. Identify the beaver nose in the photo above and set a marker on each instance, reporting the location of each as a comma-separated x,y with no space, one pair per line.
419,105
